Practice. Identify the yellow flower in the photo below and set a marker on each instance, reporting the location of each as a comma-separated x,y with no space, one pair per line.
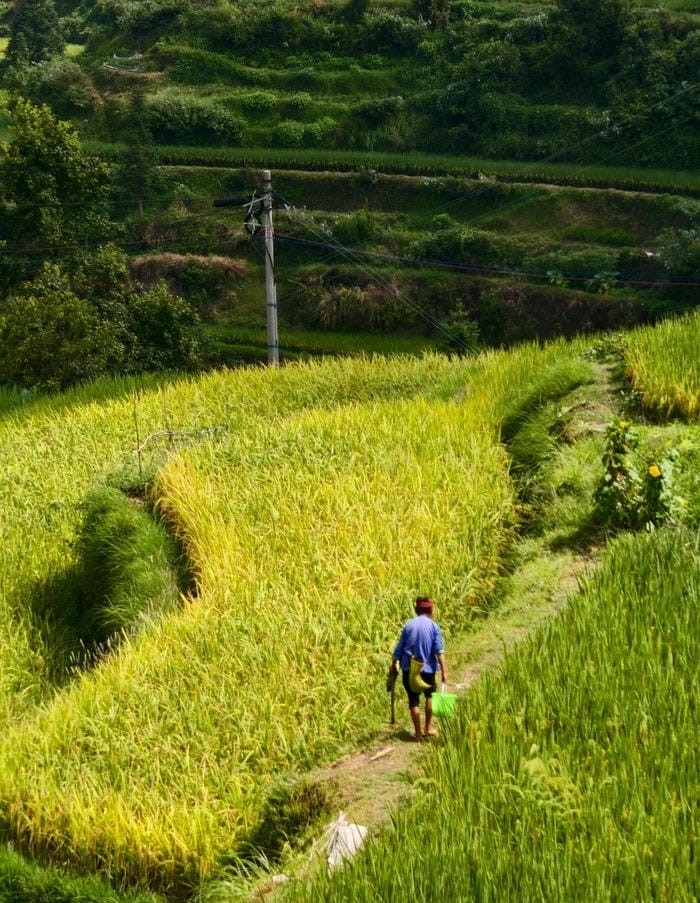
624,424
654,471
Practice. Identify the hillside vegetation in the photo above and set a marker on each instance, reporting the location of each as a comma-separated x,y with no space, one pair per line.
411,144
311,503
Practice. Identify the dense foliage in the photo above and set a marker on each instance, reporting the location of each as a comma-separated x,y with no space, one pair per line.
73,323
583,81
52,193
601,81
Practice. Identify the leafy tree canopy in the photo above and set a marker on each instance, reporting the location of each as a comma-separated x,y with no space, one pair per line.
73,323
53,194
36,33
596,27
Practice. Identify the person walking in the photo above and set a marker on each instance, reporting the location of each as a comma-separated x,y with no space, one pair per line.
418,653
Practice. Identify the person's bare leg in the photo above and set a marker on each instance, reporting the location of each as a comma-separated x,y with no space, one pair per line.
429,729
415,718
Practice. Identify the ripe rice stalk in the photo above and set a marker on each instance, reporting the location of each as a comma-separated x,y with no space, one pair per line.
335,494
663,365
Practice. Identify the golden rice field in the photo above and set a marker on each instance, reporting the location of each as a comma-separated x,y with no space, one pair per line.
314,502
329,495
663,364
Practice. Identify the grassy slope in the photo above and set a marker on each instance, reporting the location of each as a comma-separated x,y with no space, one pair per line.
579,770
100,735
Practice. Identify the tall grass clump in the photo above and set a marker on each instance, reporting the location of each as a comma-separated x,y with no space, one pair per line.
663,365
530,419
127,571
573,773
128,565
27,882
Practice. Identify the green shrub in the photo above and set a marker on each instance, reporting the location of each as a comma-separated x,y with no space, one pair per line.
134,16
183,119
377,112
320,133
69,326
584,263
453,241
288,133
62,85
459,333
199,66
166,332
128,566
633,493
50,338
351,228
389,32
355,10
298,103
259,101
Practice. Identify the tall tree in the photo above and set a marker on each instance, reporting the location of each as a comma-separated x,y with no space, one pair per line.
52,194
35,34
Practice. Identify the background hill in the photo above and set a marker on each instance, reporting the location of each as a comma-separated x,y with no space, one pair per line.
528,168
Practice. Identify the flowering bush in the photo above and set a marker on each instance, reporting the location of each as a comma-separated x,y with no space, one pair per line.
618,494
625,498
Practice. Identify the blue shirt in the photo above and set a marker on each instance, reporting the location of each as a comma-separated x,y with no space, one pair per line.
420,637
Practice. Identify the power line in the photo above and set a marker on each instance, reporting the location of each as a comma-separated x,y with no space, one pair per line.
424,314
473,266
524,199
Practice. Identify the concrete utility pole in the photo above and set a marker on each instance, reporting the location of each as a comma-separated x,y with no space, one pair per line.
273,349
255,206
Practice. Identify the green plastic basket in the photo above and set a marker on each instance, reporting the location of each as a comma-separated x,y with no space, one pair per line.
444,704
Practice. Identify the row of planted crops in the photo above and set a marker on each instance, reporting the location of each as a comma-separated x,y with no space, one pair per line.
312,504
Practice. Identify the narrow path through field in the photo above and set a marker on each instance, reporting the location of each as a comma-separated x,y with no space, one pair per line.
374,782
371,784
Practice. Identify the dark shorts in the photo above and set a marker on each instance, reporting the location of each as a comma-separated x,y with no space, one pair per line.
414,698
